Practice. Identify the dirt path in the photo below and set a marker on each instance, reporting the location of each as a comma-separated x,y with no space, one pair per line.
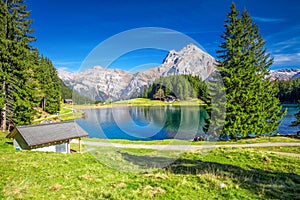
186,147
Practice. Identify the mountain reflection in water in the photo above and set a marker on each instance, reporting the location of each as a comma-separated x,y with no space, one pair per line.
144,123
156,122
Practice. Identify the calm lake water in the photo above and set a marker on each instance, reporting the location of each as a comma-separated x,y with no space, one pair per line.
285,128
156,123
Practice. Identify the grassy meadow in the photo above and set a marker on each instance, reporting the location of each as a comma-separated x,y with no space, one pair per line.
222,173
139,102
149,102
286,149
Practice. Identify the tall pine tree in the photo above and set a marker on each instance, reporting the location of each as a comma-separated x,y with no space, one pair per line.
15,62
49,85
252,106
26,79
3,58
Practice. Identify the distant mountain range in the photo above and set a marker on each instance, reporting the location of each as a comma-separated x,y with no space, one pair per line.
102,84
285,74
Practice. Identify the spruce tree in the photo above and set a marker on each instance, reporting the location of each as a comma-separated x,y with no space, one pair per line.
252,105
168,85
49,85
16,60
3,62
26,79
216,101
20,26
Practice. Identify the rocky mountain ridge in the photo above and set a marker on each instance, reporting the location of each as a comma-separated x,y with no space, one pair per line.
101,83
284,74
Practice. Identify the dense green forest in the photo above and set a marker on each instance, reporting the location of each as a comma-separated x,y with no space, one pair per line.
180,86
252,105
187,86
27,79
289,91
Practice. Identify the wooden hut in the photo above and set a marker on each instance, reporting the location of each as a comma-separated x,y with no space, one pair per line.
68,101
54,137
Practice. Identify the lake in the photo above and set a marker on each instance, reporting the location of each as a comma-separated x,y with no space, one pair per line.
156,122
284,127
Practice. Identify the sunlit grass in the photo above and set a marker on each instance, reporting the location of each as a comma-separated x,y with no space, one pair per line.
67,112
71,116
223,173
137,102
149,102
183,142
286,149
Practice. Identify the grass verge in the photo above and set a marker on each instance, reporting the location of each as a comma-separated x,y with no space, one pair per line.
182,142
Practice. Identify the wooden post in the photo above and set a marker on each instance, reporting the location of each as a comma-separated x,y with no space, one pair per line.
79,144
69,146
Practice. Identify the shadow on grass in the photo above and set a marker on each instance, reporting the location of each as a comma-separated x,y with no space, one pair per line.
274,185
148,162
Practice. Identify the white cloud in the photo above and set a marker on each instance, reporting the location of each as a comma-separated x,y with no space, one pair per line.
268,20
63,68
284,46
292,31
287,59
62,63
67,65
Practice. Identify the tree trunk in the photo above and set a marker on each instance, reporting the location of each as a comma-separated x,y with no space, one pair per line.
3,111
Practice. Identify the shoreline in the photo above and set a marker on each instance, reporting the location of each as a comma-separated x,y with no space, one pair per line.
142,102
149,102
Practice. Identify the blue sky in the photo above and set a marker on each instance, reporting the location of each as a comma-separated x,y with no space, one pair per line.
68,30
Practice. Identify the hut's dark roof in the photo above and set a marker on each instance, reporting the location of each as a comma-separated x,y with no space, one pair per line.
35,135
68,100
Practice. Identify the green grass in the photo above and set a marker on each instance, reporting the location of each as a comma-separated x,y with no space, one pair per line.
71,116
182,142
261,140
286,149
66,113
138,102
191,175
123,141
65,110
149,102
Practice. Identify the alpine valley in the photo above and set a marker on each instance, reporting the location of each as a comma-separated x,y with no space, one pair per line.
101,84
